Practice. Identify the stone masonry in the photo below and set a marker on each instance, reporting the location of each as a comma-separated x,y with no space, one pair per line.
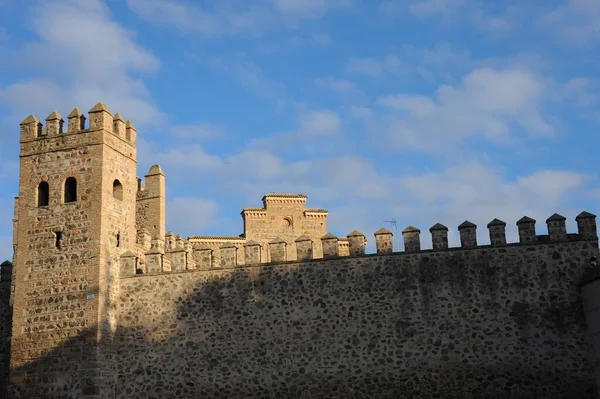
100,302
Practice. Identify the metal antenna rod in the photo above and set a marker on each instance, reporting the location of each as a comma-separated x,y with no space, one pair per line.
393,221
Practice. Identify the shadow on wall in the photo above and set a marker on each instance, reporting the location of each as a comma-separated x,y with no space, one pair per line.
473,324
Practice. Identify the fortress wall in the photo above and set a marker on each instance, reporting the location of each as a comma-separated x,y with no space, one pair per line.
5,333
461,323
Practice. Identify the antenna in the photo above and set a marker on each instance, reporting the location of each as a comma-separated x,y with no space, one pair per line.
396,238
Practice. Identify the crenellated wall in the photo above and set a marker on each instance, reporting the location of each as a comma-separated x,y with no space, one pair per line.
102,302
501,320
173,253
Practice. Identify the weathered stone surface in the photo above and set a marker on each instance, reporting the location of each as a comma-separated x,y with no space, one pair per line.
466,323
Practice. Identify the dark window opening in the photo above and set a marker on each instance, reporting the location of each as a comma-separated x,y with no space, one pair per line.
43,194
118,190
58,238
70,190
40,130
118,239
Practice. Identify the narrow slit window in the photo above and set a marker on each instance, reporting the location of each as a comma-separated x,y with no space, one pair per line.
70,190
118,239
43,194
58,239
118,190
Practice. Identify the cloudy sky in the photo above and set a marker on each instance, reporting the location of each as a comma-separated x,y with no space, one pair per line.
419,111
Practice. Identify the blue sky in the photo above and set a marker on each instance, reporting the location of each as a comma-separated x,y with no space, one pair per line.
420,111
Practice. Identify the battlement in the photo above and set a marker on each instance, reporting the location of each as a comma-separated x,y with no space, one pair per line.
285,200
235,251
100,119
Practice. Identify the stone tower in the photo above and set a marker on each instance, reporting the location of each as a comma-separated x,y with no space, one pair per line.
75,217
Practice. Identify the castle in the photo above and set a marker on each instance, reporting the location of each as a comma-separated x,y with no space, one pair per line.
100,301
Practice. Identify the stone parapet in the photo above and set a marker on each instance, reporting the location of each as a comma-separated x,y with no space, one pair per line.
184,257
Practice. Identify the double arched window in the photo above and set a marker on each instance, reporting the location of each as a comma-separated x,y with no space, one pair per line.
70,192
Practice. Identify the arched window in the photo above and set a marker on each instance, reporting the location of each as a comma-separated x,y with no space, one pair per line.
43,194
118,190
70,190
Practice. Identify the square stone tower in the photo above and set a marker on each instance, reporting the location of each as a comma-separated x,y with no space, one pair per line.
75,216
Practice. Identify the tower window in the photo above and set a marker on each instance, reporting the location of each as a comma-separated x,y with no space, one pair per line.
70,190
43,194
118,190
58,239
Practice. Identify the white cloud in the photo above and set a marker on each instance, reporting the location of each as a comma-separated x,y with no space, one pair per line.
576,22
320,122
478,192
233,18
421,8
310,8
202,130
341,86
247,73
487,103
361,112
77,70
190,215
435,7
375,67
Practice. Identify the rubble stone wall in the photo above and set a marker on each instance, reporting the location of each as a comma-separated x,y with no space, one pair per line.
460,323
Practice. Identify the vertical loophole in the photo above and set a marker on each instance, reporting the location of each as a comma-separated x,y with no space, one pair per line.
118,239
58,239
